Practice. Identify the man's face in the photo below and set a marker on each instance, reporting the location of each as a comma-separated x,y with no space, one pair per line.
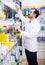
31,14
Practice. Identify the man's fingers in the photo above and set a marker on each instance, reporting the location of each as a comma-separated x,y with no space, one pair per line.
17,6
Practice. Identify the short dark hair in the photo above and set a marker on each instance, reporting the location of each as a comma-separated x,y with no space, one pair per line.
36,12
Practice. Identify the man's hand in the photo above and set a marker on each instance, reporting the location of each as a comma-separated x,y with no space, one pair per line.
17,28
17,7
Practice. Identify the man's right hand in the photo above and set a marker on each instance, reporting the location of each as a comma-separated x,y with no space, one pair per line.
17,7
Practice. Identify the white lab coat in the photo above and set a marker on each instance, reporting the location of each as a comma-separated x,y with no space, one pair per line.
30,34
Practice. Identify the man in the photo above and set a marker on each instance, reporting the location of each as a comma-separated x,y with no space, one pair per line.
32,28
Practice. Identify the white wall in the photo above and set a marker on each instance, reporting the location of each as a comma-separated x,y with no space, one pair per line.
33,2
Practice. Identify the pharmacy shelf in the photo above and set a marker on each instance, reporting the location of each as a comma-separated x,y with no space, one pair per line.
10,4
6,22
8,52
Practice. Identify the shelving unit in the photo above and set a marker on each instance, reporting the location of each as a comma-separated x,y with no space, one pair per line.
14,51
41,44
12,56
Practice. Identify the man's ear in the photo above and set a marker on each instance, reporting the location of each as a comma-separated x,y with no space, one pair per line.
35,15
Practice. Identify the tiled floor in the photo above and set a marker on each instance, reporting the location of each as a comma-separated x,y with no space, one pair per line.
40,62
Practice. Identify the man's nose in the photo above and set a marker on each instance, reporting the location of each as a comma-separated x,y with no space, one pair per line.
29,13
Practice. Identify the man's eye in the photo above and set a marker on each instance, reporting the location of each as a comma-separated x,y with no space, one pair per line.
30,12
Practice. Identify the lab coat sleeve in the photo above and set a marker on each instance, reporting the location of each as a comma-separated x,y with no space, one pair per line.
24,20
34,32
